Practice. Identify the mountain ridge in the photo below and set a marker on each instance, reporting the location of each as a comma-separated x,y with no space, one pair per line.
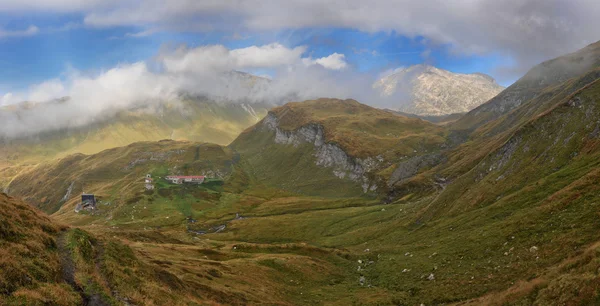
429,91
496,208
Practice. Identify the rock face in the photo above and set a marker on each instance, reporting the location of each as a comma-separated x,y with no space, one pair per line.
327,154
412,166
428,91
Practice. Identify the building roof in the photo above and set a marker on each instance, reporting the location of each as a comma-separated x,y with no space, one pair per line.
185,177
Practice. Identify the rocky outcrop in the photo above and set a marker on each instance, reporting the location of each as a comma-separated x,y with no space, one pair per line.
67,195
412,166
145,157
327,155
429,91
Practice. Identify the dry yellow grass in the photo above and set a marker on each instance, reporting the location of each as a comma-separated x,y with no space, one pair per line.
359,129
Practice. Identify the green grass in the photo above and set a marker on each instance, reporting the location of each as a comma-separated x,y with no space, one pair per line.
29,261
116,175
362,131
516,222
191,119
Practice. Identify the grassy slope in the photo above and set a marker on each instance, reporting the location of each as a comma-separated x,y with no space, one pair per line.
477,237
544,87
116,175
361,131
526,211
533,85
29,261
193,120
46,264
540,187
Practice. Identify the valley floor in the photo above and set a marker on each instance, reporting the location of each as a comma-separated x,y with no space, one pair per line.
311,251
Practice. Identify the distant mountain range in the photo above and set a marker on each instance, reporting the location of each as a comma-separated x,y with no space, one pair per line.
499,207
429,91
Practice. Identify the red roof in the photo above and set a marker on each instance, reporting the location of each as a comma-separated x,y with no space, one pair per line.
185,177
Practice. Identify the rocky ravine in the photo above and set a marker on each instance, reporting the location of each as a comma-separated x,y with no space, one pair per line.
428,91
326,154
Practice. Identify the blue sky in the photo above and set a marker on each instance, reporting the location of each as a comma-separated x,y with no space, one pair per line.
50,47
64,43
110,55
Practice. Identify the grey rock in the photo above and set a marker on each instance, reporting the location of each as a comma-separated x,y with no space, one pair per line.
412,166
430,91
327,155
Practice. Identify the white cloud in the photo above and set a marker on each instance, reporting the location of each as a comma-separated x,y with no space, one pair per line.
92,98
204,71
144,33
30,31
47,90
204,59
266,56
334,61
526,31
57,5
7,99
214,58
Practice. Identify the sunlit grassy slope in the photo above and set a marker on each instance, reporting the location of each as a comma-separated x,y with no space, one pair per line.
487,128
360,131
43,263
190,119
118,174
508,217
29,265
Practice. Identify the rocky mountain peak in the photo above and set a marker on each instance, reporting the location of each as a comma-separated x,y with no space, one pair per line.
430,91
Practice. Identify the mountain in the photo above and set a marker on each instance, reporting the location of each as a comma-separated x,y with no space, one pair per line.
301,146
539,89
332,202
429,91
296,148
189,118
275,213
490,126
115,173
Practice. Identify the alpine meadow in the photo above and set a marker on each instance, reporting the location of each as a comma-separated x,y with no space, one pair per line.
299,152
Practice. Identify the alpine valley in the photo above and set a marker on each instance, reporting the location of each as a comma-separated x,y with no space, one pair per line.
325,201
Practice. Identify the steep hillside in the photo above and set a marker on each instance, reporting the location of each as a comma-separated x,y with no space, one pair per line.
43,263
558,147
116,175
524,186
512,229
526,212
538,84
192,119
302,146
30,267
429,91
542,89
